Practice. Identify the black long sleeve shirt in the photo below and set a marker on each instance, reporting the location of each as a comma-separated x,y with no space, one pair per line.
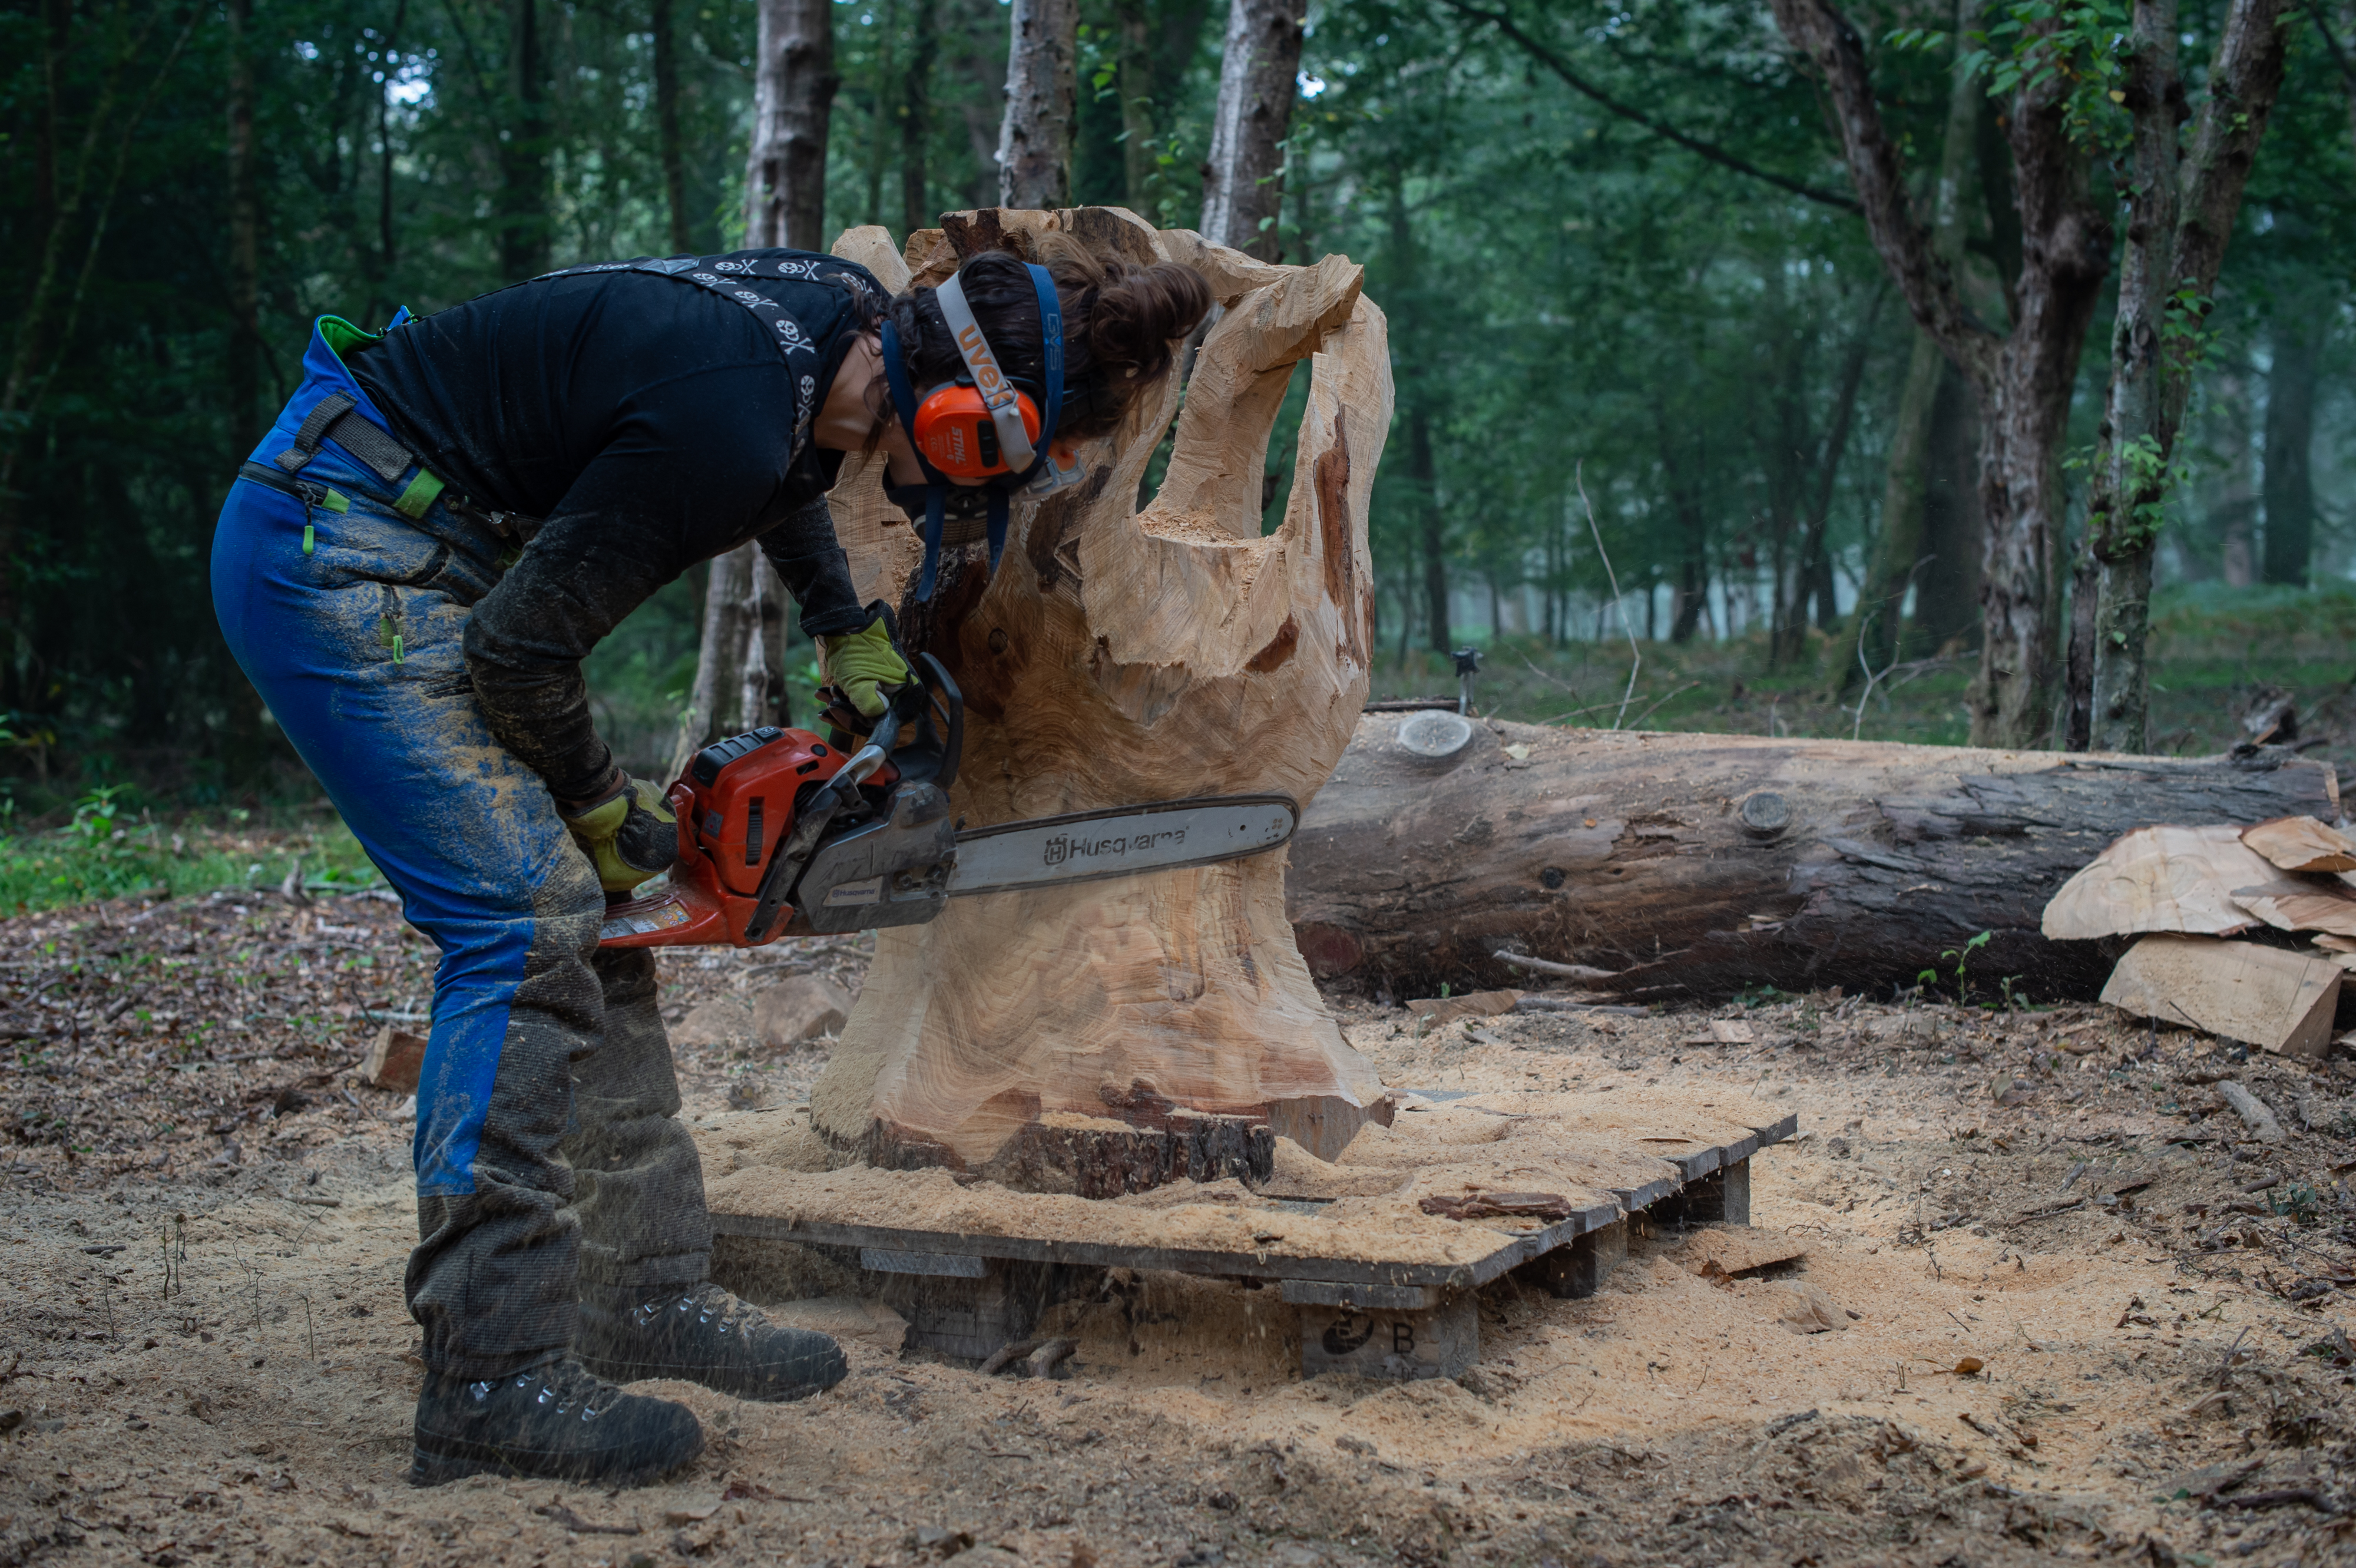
652,424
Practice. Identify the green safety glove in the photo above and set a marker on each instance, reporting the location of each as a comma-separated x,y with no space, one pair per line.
629,832
863,662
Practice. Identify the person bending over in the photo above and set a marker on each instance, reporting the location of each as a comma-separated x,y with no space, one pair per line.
444,519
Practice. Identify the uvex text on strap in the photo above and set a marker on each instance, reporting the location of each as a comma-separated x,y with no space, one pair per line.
1025,455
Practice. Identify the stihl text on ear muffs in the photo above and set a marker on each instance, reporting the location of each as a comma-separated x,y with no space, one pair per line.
981,427
958,433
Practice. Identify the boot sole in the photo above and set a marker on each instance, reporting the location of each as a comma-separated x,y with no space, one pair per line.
628,1373
430,1468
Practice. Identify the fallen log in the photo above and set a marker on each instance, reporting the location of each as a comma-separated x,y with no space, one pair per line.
1698,864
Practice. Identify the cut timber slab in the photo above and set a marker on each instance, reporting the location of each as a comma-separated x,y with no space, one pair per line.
963,1263
2260,995
2302,905
2160,879
2302,843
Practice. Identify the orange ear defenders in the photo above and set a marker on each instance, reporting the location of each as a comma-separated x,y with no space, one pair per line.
956,434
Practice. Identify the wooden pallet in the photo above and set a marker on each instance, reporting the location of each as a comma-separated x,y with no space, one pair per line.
1383,1288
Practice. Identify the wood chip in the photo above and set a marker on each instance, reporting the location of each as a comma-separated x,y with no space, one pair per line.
2252,1110
1723,1032
2160,879
1545,1206
2302,843
1811,1311
1434,1011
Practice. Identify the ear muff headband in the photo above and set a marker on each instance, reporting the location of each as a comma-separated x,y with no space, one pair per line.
998,394
1022,448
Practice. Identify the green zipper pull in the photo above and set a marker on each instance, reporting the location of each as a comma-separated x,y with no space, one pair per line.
309,539
396,648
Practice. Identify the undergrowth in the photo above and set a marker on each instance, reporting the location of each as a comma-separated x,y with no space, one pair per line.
110,848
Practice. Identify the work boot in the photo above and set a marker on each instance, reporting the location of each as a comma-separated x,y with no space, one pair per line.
705,1335
554,1421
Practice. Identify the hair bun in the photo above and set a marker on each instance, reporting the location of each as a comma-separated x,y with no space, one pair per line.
1136,313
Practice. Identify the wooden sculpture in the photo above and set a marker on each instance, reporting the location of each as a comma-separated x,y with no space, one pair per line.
1114,1036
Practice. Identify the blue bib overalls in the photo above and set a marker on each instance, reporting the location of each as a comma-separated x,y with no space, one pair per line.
548,1150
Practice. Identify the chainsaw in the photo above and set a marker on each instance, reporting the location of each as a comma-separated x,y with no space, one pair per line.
781,831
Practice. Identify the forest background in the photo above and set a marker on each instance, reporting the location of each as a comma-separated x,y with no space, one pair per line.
1667,424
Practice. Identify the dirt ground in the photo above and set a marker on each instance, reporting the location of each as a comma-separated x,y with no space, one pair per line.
2076,1311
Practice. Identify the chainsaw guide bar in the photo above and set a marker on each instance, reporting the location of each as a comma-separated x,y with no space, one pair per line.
1043,852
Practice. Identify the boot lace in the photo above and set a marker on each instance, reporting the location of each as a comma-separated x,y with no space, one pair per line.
562,1387
706,1304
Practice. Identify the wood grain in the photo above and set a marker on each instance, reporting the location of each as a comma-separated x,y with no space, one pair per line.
2302,843
1078,1039
2260,995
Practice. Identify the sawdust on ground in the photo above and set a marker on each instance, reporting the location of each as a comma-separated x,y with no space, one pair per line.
218,1370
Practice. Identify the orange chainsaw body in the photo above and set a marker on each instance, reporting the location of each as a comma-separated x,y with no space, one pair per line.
735,805
877,848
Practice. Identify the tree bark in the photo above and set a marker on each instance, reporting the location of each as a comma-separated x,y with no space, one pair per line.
2022,379
666,134
739,674
1873,635
1423,482
1948,575
1034,140
523,156
1095,1037
1698,864
2181,209
793,97
916,208
245,238
1258,81
2289,485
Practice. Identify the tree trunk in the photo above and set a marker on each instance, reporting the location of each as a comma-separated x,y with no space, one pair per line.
1423,483
666,135
1700,864
793,95
1810,565
739,673
1109,1035
916,120
1139,124
2023,379
523,156
1259,80
1034,142
2291,441
1947,570
1871,637
2180,208
245,239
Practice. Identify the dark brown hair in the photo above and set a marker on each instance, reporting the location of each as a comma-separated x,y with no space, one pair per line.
1120,323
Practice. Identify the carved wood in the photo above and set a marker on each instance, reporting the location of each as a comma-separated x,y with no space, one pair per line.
1110,1036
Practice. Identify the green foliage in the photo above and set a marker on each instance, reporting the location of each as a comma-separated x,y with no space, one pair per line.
1560,287
2299,1201
105,851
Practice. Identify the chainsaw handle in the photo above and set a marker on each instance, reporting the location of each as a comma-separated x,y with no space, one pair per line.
868,757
